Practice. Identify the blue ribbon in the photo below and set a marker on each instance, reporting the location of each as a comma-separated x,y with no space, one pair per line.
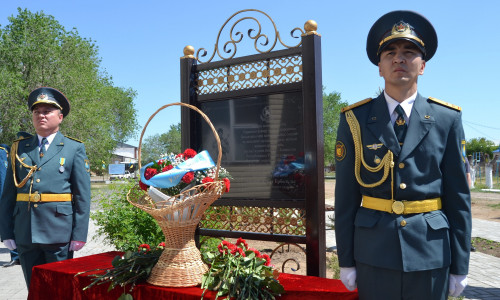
200,161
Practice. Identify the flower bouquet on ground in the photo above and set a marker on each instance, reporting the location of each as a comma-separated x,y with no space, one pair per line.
241,272
129,269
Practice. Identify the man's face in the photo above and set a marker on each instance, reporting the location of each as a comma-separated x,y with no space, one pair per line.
46,119
401,63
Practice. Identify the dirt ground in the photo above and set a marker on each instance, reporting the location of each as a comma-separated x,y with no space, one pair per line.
485,205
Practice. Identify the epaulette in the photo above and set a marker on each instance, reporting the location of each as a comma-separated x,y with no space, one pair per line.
23,134
71,138
452,106
349,107
22,138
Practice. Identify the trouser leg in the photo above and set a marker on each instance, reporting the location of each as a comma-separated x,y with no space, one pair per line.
379,283
38,254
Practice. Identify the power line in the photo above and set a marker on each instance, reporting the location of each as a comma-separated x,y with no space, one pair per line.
482,133
481,125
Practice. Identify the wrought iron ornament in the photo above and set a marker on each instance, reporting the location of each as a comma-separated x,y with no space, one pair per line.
270,72
229,48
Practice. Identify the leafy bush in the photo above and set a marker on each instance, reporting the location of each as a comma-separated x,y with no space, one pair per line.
120,223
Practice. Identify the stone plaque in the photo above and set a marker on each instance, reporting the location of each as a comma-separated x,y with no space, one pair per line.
262,142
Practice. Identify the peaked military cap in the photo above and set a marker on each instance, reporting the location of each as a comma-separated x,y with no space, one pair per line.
401,25
50,96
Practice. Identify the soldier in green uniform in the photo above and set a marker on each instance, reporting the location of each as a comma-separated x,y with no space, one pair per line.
45,205
402,204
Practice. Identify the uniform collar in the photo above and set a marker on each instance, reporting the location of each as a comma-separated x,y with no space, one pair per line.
49,138
407,105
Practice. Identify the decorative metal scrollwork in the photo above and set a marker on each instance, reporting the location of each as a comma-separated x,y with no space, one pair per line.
276,71
269,220
259,38
282,247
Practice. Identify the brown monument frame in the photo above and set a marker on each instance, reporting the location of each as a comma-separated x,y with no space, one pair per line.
308,52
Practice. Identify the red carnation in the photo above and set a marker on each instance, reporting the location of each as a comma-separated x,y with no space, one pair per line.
144,248
207,179
143,186
257,253
161,245
267,258
188,177
189,153
167,168
227,183
240,242
150,172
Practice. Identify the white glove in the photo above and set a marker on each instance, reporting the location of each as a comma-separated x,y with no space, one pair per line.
10,244
348,278
76,245
457,284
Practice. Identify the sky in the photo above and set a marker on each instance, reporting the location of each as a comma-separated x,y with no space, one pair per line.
140,44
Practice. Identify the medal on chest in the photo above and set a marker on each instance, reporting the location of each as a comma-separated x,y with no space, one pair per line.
61,164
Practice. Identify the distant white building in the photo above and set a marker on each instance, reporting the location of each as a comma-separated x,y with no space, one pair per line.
125,153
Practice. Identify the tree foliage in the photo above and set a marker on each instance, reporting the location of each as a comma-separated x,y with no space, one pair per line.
35,50
332,104
159,144
481,145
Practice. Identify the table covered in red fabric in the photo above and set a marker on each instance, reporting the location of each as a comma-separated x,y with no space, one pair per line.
58,281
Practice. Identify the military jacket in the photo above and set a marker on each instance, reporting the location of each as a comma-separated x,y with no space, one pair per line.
428,165
64,169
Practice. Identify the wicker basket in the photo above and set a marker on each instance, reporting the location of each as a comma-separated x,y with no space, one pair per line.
180,264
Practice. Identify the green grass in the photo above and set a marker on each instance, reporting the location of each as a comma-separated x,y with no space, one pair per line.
98,187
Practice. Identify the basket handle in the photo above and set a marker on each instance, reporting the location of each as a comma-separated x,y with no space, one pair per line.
219,148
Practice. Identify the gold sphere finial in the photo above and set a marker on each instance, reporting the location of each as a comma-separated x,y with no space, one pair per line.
188,51
311,26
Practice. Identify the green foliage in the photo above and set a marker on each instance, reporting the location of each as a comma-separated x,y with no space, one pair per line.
35,50
131,268
122,224
332,104
160,144
481,145
333,264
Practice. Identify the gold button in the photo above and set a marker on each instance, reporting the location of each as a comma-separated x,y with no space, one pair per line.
39,169
377,160
403,223
401,165
38,180
35,206
402,186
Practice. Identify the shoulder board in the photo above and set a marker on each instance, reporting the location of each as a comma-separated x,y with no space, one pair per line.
23,134
452,106
73,139
22,138
356,105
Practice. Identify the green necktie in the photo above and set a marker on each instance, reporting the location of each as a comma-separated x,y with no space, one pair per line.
400,124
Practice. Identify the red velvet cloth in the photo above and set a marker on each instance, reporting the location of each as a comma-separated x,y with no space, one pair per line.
58,281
